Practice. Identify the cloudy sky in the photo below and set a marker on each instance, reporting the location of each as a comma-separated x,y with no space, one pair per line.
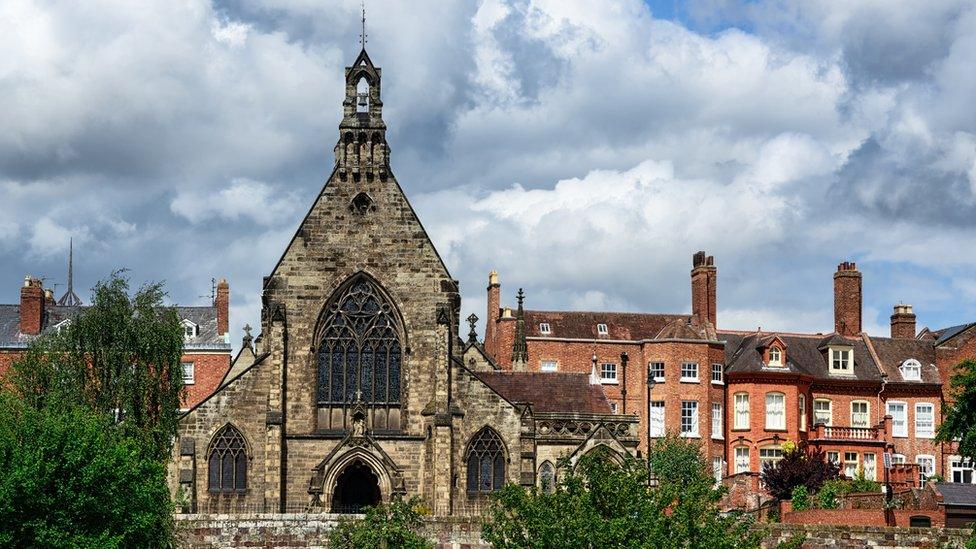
584,149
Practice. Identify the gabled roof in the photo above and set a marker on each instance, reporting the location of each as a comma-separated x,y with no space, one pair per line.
582,324
957,494
945,334
549,391
805,356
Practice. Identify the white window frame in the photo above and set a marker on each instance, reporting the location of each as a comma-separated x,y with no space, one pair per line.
717,469
962,466
773,454
652,371
545,328
870,466
911,370
775,412
613,407
926,466
899,427
655,417
188,379
741,411
897,459
689,367
851,465
841,360
802,404
830,411
920,430
692,417
778,360
833,456
742,459
867,414
549,366
718,368
190,329
605,378
602,329
718,422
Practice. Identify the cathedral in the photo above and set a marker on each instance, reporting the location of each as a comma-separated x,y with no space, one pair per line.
358,388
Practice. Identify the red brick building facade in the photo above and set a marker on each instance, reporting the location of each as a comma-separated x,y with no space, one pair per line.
743,394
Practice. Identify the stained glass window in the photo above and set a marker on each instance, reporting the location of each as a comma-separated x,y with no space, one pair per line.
227,462
360,352
486,462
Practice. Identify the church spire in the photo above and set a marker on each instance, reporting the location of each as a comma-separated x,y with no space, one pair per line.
520,348
362,152
70,298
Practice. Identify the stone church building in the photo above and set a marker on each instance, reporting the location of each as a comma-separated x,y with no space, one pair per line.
358,388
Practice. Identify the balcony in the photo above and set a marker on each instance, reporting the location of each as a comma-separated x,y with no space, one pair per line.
834,433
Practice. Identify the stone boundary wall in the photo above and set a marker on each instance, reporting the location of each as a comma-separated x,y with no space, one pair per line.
311,531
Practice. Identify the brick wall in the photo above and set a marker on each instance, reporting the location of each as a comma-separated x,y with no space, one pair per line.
208,370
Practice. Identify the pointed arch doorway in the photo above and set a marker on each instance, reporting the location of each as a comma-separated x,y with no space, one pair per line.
357,487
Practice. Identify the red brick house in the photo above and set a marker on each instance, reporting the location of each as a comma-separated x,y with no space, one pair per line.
207,351
744,393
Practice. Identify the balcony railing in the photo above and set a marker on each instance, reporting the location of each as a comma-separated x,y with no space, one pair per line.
824,432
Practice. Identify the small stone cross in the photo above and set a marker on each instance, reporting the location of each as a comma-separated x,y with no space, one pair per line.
472,335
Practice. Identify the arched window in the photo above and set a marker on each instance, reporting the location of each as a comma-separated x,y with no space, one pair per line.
360,352
911,370
486,462
775,356
362,95
227,461
547,477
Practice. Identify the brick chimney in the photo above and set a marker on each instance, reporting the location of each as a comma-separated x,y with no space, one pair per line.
703,279
222,303
491,321
31,306
903,322
847,300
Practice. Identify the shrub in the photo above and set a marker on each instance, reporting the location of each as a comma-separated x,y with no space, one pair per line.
862,484
801,466
394,525
800,498
827,496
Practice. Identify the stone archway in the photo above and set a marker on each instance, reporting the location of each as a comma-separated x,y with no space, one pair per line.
356,487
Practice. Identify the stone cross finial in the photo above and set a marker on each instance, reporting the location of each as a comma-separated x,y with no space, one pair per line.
472,335
247,335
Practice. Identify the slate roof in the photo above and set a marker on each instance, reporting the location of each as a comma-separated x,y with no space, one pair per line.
804,355
204,317
957,494
893,352
946,334
582,325
549,391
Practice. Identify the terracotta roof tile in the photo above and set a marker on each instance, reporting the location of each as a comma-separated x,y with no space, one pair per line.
549,391
582,325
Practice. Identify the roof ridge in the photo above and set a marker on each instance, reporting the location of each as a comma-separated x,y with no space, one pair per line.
605,313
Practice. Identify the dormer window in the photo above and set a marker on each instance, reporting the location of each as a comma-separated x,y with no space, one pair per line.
911,370
602,329
775,356
544,328
842,360
190,329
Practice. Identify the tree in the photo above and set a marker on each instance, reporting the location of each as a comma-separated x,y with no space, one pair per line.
960,412
69,478
801,465
119,358
394,525
603,503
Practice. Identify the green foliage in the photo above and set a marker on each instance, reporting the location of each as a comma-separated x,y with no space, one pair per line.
393,525
122,354
604,503
801,465
68,478
960,415
800,498
862,484
827,496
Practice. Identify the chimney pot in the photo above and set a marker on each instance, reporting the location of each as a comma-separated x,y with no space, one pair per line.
903,322
847,299
704,276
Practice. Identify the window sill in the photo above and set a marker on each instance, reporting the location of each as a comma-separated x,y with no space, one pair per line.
658,379
741,429
718,382
689,380
926,437
690,435
774,430
717,438
609,382
189,383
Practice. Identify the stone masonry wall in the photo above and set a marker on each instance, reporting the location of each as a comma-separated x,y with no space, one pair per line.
290,531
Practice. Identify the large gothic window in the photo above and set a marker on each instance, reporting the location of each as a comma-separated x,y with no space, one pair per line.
360,352
486,462
227,461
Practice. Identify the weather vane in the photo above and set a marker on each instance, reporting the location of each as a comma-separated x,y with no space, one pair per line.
362,37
